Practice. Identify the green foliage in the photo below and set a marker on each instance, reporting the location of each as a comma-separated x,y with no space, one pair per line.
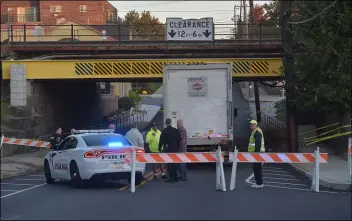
322,70
272,13
135,97
125,103
144,26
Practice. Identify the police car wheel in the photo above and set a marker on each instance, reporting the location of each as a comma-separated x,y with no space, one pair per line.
138,180
76,180
47,172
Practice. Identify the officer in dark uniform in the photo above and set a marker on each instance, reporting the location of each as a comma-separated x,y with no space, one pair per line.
56,138
169,143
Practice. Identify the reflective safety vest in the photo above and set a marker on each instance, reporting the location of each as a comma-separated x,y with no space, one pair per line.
153,141
251,145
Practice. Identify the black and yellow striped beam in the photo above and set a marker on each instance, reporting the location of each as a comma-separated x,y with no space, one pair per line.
134,69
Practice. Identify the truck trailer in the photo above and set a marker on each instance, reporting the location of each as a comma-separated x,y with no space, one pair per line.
201,96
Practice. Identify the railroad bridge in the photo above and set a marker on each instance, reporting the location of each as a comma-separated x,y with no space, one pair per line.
58,78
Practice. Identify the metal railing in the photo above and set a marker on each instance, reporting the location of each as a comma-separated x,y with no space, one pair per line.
271,124
20,18
123,121
127,33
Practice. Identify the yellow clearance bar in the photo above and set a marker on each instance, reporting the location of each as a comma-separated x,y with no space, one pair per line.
134,69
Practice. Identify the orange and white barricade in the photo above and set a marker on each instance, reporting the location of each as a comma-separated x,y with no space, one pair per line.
245,157
24,142
200,157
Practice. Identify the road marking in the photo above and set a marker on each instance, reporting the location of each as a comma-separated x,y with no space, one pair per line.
273,168
9,190
274,174
11,194
249,178
277,178
275,171
18,184
149,179
31,179
149,174
38,175
309,190
294,184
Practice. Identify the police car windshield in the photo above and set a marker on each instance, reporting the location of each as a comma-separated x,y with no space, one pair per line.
107,140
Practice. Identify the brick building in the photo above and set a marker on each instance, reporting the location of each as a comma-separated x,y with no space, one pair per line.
53,12
100,15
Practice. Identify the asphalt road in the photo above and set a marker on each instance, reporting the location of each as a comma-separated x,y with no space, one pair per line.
196,198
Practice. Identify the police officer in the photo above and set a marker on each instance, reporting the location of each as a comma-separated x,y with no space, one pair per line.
56,138
170,140
256,144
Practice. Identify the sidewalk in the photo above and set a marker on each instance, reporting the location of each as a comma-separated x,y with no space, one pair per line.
333,175
18,165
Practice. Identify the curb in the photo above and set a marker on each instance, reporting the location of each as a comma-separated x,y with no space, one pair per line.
323,183
22,173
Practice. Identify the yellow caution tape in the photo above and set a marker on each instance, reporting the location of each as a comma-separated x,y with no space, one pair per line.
330,125
328,132
329,137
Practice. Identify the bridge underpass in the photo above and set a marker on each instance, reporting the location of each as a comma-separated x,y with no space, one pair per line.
69,88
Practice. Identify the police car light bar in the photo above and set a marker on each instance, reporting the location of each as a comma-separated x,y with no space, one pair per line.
93,131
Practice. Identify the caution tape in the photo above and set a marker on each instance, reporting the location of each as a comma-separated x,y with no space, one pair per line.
325,133
320,128
329,137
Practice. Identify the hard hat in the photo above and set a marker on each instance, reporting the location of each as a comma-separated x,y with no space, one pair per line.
144,92
253,122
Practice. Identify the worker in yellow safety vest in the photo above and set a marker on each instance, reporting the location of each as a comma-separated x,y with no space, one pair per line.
256,144
152,140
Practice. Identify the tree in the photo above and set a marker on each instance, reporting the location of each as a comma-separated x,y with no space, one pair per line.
322,70
258,14
272,13
144,26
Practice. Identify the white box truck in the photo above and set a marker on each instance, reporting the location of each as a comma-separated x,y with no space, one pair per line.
201,96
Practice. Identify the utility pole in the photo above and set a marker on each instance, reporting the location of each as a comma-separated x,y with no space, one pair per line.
287,43
245,20
234,19
256,84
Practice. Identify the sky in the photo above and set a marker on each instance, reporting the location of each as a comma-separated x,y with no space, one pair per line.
221,11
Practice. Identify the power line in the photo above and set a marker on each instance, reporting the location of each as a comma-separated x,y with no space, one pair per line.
315,16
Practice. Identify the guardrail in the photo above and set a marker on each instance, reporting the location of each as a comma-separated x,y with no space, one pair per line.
124,33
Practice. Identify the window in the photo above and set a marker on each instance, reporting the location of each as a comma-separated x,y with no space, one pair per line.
71,144
11,15
83,8
62,144
106,140
55,9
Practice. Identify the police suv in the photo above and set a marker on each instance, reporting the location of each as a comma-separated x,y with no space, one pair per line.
88,155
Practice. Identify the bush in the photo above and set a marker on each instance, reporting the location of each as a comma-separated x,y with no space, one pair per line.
125,103
135,97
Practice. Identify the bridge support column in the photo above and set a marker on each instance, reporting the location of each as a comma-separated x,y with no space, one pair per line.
18,85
